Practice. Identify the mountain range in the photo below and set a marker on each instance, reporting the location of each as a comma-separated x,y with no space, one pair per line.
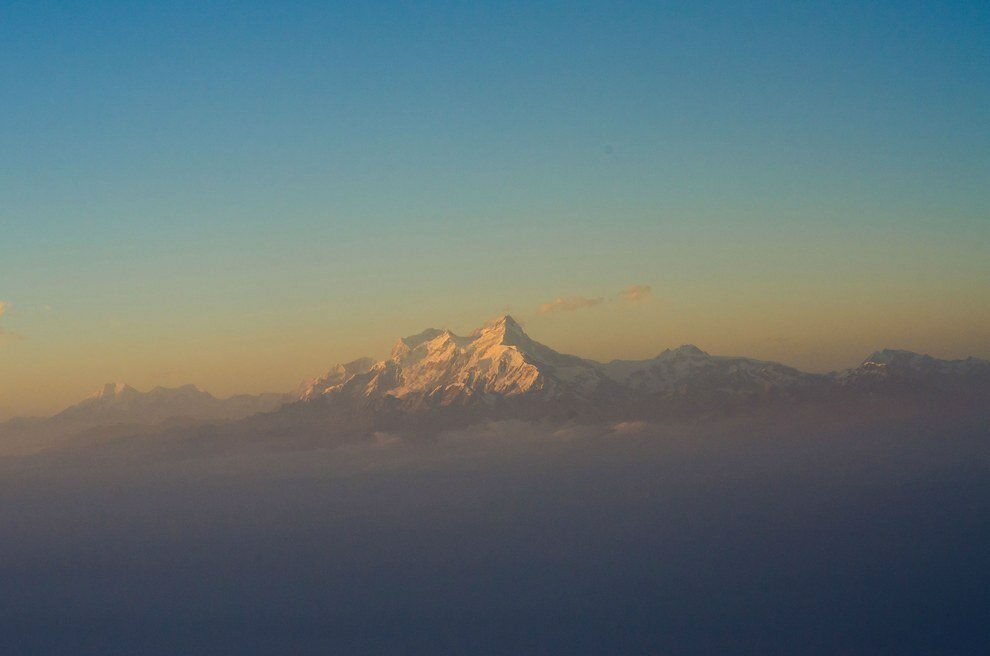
119,409
437,379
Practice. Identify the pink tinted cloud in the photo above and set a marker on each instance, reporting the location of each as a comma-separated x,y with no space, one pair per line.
635,293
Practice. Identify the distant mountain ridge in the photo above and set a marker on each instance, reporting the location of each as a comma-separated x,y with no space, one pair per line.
498,370
121,403
894,366
121,406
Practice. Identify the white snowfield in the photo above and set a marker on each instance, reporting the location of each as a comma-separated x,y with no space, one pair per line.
500,360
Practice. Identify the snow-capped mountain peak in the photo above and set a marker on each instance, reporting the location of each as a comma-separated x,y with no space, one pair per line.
492,359
497,360
407,344
906,366
900,358
688,350
336,376
503,328
113,392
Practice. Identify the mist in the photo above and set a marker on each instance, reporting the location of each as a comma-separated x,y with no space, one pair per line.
749,536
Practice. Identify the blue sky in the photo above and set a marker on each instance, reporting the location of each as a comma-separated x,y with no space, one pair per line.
194,182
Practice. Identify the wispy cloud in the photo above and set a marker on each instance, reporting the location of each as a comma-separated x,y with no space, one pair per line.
631,294
568,304
635,293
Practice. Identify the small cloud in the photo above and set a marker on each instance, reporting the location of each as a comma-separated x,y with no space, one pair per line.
3,307
569,304
635,293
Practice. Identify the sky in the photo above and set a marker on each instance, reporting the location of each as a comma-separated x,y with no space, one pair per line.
238,195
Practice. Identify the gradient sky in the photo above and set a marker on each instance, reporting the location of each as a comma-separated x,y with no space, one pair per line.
240,194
